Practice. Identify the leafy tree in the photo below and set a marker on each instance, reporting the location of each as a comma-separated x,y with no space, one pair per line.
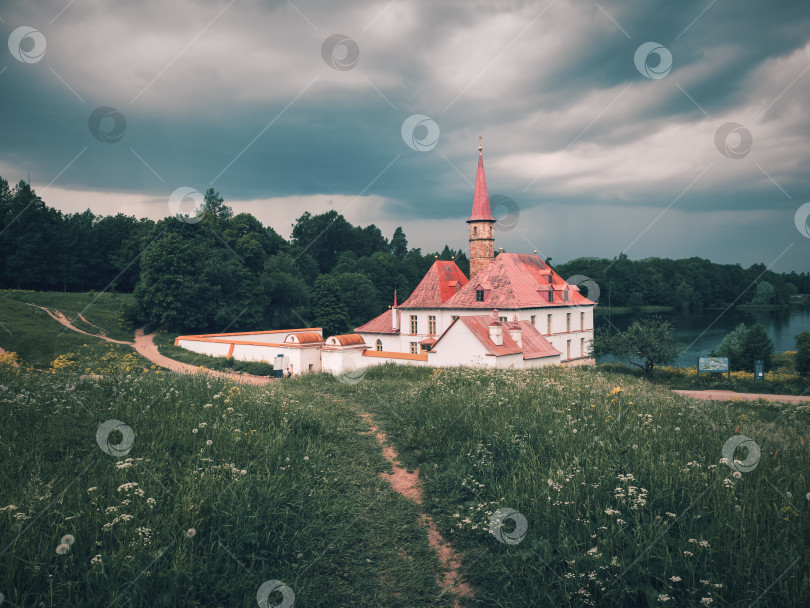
328,309
190,282
732,347
214,205
803,353
649,339
282,292
765,294
399,244
360,296
323,236
756,345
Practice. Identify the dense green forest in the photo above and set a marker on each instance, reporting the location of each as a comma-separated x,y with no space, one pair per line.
226,272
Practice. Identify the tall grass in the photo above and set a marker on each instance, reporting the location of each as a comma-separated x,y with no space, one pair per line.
621,485
39,340
225,487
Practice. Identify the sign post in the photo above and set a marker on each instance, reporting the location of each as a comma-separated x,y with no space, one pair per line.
759,370
713,365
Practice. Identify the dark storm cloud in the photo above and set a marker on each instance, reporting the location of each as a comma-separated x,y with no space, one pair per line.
238,95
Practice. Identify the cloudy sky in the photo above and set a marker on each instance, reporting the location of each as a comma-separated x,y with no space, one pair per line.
657,129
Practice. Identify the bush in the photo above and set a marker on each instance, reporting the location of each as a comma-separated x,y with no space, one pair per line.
744,345
756,345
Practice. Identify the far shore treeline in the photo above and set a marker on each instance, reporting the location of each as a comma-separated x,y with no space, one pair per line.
227,272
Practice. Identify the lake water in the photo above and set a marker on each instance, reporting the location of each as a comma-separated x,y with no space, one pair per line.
702,332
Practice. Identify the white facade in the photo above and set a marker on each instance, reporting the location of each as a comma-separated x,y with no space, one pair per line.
569,329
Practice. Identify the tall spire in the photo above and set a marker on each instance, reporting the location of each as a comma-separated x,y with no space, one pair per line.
481,222
481,211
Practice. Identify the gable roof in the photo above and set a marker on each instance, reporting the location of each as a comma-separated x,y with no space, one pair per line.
437,286
516,280
534,344
381,324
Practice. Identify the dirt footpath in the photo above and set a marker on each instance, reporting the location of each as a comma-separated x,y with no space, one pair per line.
145,346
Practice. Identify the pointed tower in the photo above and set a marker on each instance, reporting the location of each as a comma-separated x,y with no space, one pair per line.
482,223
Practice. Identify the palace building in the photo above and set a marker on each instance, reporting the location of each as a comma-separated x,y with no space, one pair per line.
513,311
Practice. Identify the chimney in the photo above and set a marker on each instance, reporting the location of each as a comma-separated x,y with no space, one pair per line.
395,318
495,329
515,331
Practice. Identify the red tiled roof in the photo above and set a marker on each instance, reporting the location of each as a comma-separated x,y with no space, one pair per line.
437,286
348,339
514,281
378,325
481,210
534,344
307,337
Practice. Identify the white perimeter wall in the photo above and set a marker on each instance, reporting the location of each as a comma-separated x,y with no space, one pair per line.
299,357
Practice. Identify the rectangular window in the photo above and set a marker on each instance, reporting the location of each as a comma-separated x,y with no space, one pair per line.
479,295
550,295
432,325
414,324
568,322
532,319
548,325
582,320
502,319
414,348
568,349
425,347
582,352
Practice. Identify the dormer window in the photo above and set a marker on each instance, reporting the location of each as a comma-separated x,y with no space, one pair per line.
550,295
565,295
479,295
549,278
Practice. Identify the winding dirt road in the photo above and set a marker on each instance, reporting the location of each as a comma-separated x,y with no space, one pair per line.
145,346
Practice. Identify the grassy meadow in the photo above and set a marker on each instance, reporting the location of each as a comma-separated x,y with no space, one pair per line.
559,487
39,340
620,484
